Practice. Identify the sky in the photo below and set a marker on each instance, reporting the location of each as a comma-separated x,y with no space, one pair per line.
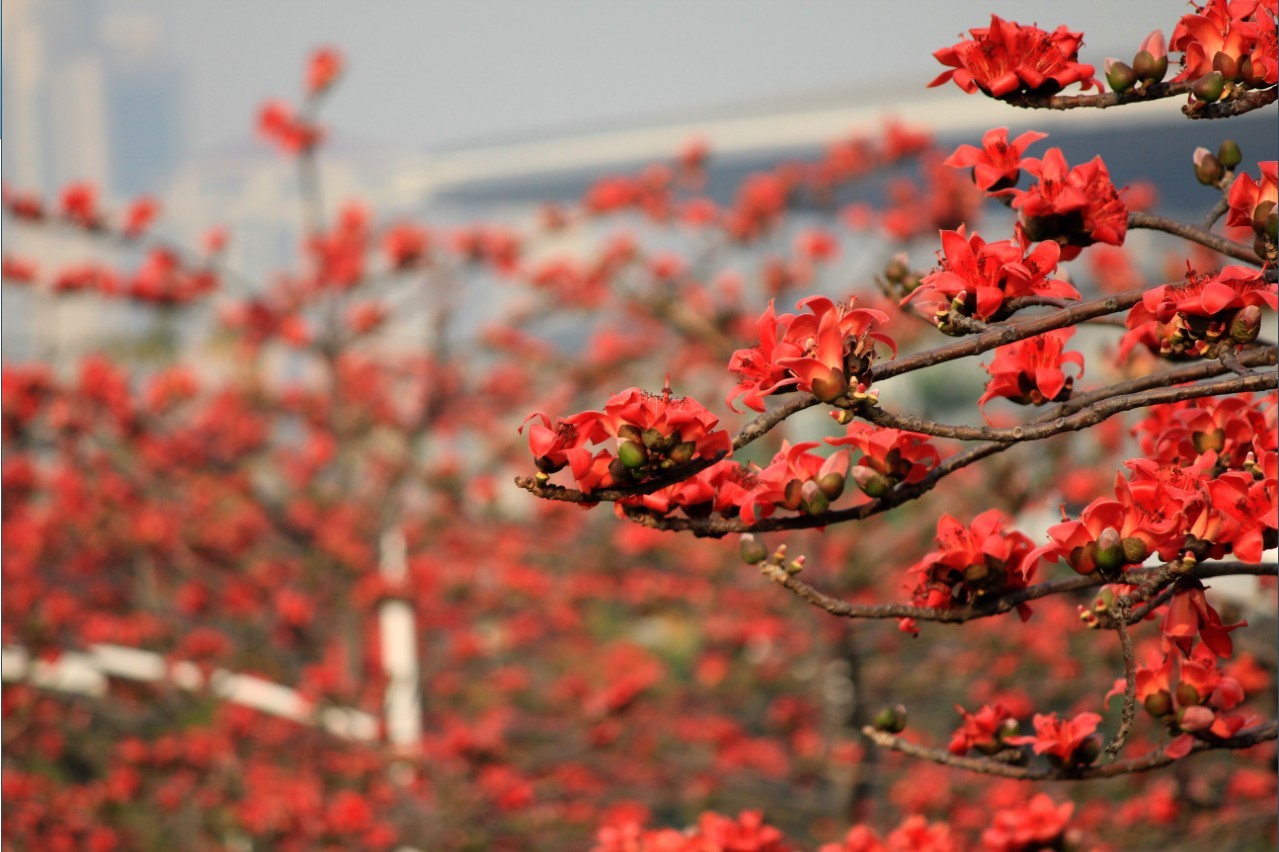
432,74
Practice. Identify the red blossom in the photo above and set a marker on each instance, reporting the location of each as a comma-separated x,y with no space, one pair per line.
1074,206
1067,743
1189,614
1040,824
1252,203
889,456
996,164
984,730
1233,37
797,480
293,135
1029,372
1007,57
1186,320
323,69
983,276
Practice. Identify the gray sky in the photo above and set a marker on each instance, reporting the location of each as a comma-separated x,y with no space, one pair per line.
437,73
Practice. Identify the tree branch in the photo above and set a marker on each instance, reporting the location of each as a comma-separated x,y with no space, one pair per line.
1244,103
1129,711
1246,738
1195,234
1103,100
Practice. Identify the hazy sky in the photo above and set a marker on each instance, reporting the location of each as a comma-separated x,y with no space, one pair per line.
440,72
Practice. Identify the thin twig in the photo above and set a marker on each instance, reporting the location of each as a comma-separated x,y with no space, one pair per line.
1129,711
1099,101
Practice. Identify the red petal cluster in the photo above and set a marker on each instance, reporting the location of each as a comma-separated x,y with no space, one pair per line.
1234,37
984,730
826,352
1041,824
1075,207
1187,320
996,164
1007,57
1067,743
1029,372
981,277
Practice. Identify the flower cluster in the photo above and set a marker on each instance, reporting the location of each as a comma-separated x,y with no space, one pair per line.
1231,38
1006,58
987,730
653,433
977,278
1076,207
1252,205
889,457
971,563
796,480
827,352
1190,320
1068,743
1029,372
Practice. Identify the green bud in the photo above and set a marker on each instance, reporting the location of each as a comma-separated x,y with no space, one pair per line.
1227,65
872,483
814,501
1208,169
1210,87
1121,77
633,455
1135,550
1229,154
891,719
832,485
792,495
1087,751
1187,695
1159,704
1149,69
682,453
1261,215
832,388
630,433
753,550
896,270
1110,550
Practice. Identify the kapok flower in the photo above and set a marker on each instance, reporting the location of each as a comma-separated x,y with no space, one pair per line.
323,69
1189,614
972,562
982,276
1067,743
1006,57
889,456
1029,372
293,135
825,352
1041,824
1188,320
1180,433
984,730
1155,682
1112,535
996,164
798,480
1075,207
1235,39
1252,203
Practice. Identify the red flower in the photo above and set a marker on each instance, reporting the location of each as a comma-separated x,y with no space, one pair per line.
1076,207
889,456
139,216
1180,433
996,164
822,352
1069,743
80,205
797,480
1234,38
986,275
1006,57
1252,204
984,730
323,69
972,562
1186,320
277,123
406,244
1029,372
1189,614
1039,825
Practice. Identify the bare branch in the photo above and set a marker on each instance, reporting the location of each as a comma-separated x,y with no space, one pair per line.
1129,711
1103,100
1244,103
1195,234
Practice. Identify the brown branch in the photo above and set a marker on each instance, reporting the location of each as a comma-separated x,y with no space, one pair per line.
1244,103
1157,759
998,605
1099,101
1195,234
1129,710
1084,418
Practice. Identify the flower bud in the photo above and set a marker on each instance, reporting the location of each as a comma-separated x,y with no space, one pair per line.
655,440
682,453
891,719
832,485
1246,325
1209,87
1104,601
1253,73
1110,550
831,388
628,432
1208,168
1229,154
814,500
1007,728
633,455
1158,704
1192,719
897,269
1151,61
872,483
1135,550
1187,695
1227,65
1121,77
1263,217
792,495
1087,751
753,550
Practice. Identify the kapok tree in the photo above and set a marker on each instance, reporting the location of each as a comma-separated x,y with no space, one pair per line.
254,503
